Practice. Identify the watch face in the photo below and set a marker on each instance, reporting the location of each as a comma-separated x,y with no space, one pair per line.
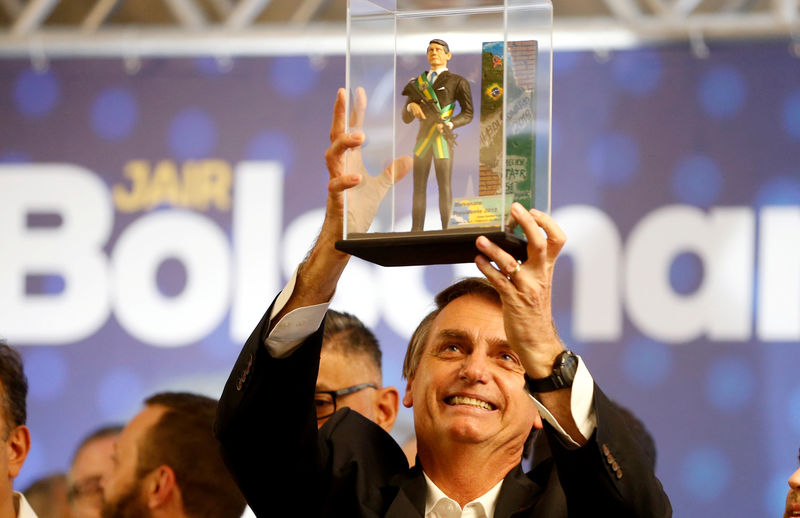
570,363
568,366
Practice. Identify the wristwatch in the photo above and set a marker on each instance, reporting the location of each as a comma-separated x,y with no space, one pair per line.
564,369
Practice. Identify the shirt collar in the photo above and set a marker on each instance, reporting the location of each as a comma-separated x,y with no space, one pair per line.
24,509
437,70
444,506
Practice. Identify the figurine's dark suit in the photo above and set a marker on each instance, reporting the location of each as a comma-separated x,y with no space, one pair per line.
449,88
351,468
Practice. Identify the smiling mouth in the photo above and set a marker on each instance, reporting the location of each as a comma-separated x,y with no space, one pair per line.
469,401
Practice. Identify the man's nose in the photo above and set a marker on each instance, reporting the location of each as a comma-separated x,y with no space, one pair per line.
794,480
474,368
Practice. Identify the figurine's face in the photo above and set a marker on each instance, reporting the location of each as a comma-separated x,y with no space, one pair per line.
437,56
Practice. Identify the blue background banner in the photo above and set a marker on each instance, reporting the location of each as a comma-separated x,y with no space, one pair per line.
147,219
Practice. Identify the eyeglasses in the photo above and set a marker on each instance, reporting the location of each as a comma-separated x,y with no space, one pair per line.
325,400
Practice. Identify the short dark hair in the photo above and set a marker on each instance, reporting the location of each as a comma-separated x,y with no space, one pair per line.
442,43
14,387
183,439
469,286
351,336
102,432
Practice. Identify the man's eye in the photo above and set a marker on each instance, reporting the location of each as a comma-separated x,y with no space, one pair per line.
509,357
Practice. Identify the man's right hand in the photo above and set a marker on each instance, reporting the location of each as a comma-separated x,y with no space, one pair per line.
320,272
416,110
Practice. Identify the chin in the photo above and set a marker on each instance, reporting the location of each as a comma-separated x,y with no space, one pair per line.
468,432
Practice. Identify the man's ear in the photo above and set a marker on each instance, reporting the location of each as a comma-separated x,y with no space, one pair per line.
160,487
408,399
18,445
386,405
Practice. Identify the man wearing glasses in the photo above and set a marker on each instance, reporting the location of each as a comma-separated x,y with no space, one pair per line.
350,373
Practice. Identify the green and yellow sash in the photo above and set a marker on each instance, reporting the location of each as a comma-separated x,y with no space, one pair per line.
433,139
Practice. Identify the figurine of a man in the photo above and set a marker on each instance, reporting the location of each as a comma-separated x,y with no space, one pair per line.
432,98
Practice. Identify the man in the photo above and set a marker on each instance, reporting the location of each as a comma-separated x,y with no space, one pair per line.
16,439
793,496
93,461
467,368
350,373
439,89
167,464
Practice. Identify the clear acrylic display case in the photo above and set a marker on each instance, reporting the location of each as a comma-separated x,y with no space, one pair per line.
503,51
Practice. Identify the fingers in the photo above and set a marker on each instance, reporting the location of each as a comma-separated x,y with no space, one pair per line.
506,264
498,280
398,169
548,243
359,108
334,155
339,112
342,183
416,111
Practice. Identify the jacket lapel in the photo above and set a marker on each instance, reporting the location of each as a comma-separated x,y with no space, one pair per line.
517,494
410,490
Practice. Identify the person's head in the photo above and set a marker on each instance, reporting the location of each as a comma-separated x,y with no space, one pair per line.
14,435
92,461
438,53
351,360
167,463
47,497
465,382
793,496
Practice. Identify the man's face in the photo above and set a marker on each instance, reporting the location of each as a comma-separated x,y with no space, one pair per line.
469,385
338,370
793,497
122,490
437,56
92,464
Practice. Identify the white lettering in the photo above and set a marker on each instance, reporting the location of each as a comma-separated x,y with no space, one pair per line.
779,274
594,245
72,250
257,219
723,240
201,246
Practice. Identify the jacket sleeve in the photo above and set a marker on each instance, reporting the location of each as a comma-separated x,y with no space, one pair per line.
463,95
266,423
406,115
611,472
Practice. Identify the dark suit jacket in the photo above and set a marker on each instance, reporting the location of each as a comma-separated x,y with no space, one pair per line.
448,87
352,468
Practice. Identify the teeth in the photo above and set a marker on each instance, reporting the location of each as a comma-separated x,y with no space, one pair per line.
463,400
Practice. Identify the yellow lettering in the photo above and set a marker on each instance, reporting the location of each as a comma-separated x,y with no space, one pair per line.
198,184
131,201
219,180
165,187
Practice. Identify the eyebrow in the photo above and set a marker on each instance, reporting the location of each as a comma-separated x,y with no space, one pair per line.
458,334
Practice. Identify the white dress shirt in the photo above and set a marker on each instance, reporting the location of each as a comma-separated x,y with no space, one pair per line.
24,509
439,505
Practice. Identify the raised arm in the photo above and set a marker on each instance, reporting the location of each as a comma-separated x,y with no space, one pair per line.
266,422
525,290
